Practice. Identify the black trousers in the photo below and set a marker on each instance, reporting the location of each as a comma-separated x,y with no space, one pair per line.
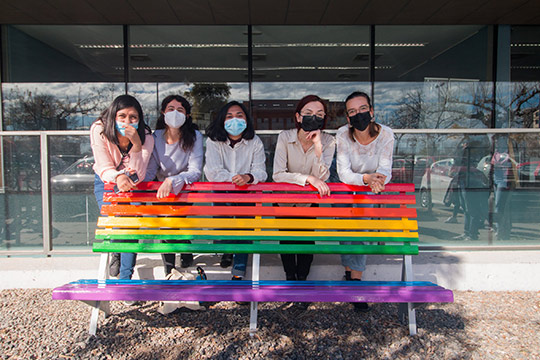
297,266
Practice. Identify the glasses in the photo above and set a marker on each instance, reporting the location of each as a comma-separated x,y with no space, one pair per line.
361,109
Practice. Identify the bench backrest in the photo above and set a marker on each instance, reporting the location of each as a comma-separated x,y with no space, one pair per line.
262,214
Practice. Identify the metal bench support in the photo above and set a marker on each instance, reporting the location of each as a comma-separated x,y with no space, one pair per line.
407,313
253,311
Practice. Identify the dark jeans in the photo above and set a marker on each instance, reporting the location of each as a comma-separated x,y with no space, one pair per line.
127,260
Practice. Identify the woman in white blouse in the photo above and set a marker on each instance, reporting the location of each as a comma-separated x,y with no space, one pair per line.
234,154
364,157
303,156
177,157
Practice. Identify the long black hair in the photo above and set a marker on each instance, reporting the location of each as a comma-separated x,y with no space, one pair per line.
108,118
216,129
373,127
187,131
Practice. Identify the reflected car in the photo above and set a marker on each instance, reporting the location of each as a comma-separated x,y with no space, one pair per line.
529,174
402,171
437,179
78,177
435,183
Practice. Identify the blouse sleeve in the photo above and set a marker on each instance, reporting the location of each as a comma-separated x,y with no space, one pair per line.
346,175
321,166
153,166
385,157
104,164
214,170
258,165
194,170
281,171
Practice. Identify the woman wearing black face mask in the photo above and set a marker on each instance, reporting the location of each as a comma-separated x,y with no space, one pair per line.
364,157
303,156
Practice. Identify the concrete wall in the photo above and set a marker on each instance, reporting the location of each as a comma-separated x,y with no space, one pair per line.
493,270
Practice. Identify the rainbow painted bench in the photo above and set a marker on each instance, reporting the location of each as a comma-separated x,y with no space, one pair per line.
263,216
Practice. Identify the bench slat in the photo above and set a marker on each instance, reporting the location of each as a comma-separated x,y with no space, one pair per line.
262,198
218,186
107,246
242,223
248,291
169,234
174,210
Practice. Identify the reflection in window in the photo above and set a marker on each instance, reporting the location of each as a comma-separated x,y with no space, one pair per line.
49,53
435,103
206,99
290,62
188,54
21,209
55,106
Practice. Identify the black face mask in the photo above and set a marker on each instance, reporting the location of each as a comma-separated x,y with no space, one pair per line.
311,123
360,121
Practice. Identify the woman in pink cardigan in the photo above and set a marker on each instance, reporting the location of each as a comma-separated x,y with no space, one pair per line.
122,146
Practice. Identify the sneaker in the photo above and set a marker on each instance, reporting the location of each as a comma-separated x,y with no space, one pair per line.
114,265
226,260
360,307
187,260
131,303
451,220
461,237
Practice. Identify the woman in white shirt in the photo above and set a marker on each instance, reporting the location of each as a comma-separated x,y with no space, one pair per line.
177,157
364,157
303,156
234,154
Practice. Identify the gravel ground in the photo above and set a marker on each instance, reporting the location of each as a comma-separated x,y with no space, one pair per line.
479,325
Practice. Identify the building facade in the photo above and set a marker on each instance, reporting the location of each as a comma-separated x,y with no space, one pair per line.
460,88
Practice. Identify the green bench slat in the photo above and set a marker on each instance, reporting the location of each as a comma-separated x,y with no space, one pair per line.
405,249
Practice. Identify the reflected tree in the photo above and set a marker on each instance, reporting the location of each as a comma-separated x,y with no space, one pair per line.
41,110
207,99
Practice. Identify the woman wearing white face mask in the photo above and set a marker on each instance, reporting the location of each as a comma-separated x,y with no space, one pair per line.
177,157
234,154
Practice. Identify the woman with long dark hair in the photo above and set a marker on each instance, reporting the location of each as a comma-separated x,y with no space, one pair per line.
122,146
234,154
177,158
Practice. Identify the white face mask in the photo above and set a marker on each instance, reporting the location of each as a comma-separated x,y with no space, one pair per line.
175,119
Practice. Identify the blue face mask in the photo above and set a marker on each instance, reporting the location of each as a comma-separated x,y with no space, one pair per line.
121,127
235,126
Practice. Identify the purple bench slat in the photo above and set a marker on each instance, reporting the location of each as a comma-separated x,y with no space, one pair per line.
283,293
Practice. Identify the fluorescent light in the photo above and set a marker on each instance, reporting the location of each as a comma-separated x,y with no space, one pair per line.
243,45
279,68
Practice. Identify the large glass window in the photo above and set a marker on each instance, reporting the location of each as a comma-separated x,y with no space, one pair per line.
518,87
55,106
206,64
74,207
290,62
21,211
473,189
63,53
433,76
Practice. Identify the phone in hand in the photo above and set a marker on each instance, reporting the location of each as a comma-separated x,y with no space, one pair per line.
134,177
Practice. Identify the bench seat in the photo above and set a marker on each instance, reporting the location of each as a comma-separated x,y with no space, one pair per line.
258,291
